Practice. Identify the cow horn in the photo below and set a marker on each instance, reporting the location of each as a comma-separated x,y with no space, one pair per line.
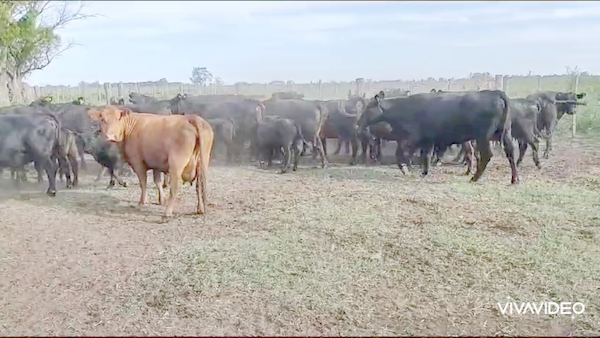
342,109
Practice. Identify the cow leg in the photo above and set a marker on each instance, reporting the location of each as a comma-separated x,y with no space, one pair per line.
549,139
141,171
287,159
378,154
324,161
297,150
338,149
354,150
158,180
262,152
426,153
509,150
485,154
400,159
347,144
51,169
65,169
467,147
365,147
522,150
81,154
175,182
40,171
535,145
102,171
75,168
270,156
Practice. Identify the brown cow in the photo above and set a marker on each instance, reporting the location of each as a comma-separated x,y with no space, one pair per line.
179,145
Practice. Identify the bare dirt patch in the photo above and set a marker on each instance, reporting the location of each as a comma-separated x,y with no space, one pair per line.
344,251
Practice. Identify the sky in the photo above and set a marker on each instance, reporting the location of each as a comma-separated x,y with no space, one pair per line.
135,41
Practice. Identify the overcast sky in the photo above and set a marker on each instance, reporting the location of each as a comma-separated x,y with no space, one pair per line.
339,41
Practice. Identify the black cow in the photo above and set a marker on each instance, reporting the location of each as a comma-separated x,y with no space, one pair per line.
426,120
244,113
553,105
275,133
26,138
287,95
224,129
188,104
309,115
108,154
354,105
341,125
524,115
137,98
156,107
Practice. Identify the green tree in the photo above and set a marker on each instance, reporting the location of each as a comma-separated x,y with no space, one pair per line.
28,38
201,76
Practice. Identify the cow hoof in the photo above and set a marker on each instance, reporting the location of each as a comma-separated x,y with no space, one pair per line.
51,193
281,172
125,185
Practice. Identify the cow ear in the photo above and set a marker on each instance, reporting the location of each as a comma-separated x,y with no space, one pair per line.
376,98
381,95
185,95
179,96
94,114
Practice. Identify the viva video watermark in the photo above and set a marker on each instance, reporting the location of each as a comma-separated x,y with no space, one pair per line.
542,308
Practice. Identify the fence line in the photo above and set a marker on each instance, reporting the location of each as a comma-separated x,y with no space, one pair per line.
96,93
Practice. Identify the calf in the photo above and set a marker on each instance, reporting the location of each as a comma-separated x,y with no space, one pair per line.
275,133
108,154
179,145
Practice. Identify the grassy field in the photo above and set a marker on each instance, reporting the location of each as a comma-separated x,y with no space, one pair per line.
344,251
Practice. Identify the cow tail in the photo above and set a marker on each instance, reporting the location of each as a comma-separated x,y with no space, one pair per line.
200,165
232,127
506,113
300,135
56,148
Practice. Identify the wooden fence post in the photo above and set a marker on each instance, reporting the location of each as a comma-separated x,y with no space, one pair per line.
574,125
499,82
108,92
120,91
359,86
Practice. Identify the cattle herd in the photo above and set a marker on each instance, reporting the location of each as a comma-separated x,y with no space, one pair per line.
175,137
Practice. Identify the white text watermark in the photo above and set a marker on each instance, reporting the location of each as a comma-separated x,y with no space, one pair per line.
545,308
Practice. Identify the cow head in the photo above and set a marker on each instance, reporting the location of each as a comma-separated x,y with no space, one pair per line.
112,122
372,108
566,103
176,103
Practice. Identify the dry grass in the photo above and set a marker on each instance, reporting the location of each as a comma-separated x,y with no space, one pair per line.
343,251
